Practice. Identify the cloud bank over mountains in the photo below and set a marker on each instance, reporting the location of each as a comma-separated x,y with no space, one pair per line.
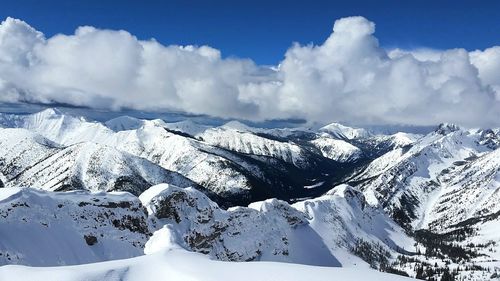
348,78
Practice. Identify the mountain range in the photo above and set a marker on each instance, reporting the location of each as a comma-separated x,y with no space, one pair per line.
81,191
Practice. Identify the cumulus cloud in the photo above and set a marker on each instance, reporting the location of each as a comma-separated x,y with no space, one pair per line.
348,78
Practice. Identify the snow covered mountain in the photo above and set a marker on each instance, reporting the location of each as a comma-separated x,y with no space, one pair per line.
249,143
320,231
417,205
103,226
240,165
405,180
443,189
29,160
338,150
270,230
343,132
124,123
56,126
470,190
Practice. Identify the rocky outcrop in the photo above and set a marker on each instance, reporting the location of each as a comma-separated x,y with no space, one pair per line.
238,234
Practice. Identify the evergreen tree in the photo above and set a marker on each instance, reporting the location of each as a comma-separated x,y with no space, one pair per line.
447,275
420,273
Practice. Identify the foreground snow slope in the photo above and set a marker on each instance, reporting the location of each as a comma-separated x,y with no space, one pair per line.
187,266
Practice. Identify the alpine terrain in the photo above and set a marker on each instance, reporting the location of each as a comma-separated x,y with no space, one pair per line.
134,199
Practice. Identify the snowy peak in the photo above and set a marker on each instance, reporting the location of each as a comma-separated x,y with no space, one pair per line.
53,116
346,191
124,123
275,207
403,139
350,196
170,202
407,182
343,132
20,149
48,113
237,125
446,181
187,126
56,126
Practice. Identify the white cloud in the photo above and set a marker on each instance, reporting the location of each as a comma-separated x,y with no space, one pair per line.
421,54
488,64
347,78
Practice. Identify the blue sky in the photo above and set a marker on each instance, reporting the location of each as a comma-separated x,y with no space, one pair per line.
263,30
349,78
